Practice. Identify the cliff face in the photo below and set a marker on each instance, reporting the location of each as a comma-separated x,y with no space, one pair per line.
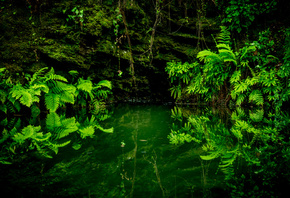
127,42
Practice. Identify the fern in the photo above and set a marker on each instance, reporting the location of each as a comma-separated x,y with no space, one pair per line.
52,120
224,36
51,76
74,73
109,130
175,91
103,83
240,99
229,157
176,114
87,131
85,86
236,77
257,97
25,96
257,116
37,75
208,56
213,154
52,101
29,132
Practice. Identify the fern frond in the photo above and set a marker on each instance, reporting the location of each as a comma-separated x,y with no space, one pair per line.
237,133
246,50
109,130
42,138
73,73
103,83
37,74
85,86
26,133
101,94
224,36
236,77
257,116
53,87
55,77
241,87
87,131
10,107
3,96
229,157
257,97
23,95
52,101
40,87
2,69
226,53
63,144
175,91
3,108
208,56
240,99
52,121
67,97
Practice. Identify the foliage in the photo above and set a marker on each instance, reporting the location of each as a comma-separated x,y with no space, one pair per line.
76,15
249,75
252,141
52,89
239,15
58,131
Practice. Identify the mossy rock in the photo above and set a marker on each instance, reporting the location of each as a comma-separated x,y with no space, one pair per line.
65,53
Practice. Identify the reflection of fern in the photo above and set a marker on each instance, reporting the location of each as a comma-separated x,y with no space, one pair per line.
60,127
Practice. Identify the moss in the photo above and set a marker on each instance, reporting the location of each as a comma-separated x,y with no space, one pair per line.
96,19
65,53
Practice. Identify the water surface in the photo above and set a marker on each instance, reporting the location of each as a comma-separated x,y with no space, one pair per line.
134,161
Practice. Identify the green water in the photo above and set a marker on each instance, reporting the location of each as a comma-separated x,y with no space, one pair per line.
134,161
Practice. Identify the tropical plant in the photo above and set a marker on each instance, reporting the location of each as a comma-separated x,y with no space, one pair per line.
251,141
53,89
239,15
58,131
249,75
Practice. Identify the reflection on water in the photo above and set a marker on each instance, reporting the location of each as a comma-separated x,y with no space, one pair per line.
137,160
134,161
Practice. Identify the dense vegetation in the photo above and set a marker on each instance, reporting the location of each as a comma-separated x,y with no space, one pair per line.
58,56
129,42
